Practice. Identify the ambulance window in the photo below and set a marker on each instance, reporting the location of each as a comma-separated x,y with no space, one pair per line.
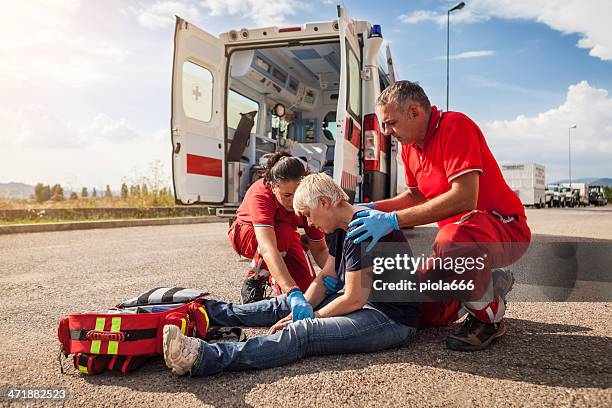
330,126
197,91
354,88
237,104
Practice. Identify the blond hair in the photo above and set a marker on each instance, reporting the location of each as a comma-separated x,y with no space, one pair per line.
314,186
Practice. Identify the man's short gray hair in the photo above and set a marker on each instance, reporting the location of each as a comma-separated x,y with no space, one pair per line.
403,92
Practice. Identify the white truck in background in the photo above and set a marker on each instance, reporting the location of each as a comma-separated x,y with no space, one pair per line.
528,181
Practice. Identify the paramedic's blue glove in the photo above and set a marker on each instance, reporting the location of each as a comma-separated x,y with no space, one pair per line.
300,308
332,284
371,205
372,224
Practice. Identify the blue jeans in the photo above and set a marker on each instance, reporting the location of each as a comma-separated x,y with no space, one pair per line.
362,331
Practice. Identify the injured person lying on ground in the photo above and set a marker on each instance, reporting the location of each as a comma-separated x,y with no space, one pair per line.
344,322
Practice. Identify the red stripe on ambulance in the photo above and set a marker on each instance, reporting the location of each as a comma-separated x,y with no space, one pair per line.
204,166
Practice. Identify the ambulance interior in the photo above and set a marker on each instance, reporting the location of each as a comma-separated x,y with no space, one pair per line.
291,95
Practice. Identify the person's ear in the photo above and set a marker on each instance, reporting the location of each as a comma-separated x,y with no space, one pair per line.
324,202
413,111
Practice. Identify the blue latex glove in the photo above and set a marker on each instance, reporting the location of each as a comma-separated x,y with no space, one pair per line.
371,205
372,224
300,308
332,284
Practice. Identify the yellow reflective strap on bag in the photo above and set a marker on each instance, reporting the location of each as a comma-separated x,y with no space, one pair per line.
95,345
201,309
183,325
113,346
83,369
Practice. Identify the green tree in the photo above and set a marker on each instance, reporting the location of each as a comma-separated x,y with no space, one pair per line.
124,191
84,192
108,192
145,190
608,194
135,190
42,193
94,193
57,193
74,195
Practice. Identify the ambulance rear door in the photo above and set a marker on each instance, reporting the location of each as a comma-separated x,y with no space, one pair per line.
198,119
347,168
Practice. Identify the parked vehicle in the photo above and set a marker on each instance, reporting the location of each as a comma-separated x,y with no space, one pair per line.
528,181
310,89
597,195
579,194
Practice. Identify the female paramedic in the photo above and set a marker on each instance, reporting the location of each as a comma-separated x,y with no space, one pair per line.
265,231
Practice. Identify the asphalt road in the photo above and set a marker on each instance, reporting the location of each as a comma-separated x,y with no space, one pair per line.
554,354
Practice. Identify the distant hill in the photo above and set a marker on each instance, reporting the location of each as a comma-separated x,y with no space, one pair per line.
605,181
16,190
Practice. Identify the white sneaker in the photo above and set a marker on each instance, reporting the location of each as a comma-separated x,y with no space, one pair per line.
180,351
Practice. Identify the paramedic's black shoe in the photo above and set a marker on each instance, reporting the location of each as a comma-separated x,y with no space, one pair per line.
475,335
503,280
253,290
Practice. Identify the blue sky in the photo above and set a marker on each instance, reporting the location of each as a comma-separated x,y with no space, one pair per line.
84,92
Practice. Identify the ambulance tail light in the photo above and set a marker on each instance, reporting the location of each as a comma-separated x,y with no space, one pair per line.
371,134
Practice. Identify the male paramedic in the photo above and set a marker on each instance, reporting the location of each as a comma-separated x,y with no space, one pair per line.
454,180
343,323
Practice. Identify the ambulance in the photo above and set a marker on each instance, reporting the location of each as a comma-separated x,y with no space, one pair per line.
309,89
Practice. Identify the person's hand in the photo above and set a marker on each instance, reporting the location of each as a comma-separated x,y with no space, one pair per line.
281,324
332,284
372,224
300,308
371,205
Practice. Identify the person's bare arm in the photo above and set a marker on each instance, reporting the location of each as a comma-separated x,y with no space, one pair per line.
356,292
462,197
319,250
406,199
314,295
316,291
266,239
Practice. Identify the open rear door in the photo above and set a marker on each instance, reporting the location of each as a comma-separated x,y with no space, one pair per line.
198,120
348,140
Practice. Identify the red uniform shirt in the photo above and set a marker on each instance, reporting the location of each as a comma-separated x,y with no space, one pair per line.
453,146
261,208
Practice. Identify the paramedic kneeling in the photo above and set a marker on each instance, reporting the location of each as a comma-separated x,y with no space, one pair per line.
454,180
265,231
344,322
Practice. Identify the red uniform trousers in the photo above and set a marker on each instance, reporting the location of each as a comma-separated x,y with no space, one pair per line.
503,239
289,244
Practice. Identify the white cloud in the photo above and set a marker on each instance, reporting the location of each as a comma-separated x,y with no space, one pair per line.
419,16
261,12
161,14
589,19
38,146
104,127
43,47
34,126
544,138
468,55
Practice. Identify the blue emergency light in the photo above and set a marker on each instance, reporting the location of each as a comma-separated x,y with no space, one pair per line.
376,31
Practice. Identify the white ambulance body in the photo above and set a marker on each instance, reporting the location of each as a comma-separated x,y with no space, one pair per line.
229,94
